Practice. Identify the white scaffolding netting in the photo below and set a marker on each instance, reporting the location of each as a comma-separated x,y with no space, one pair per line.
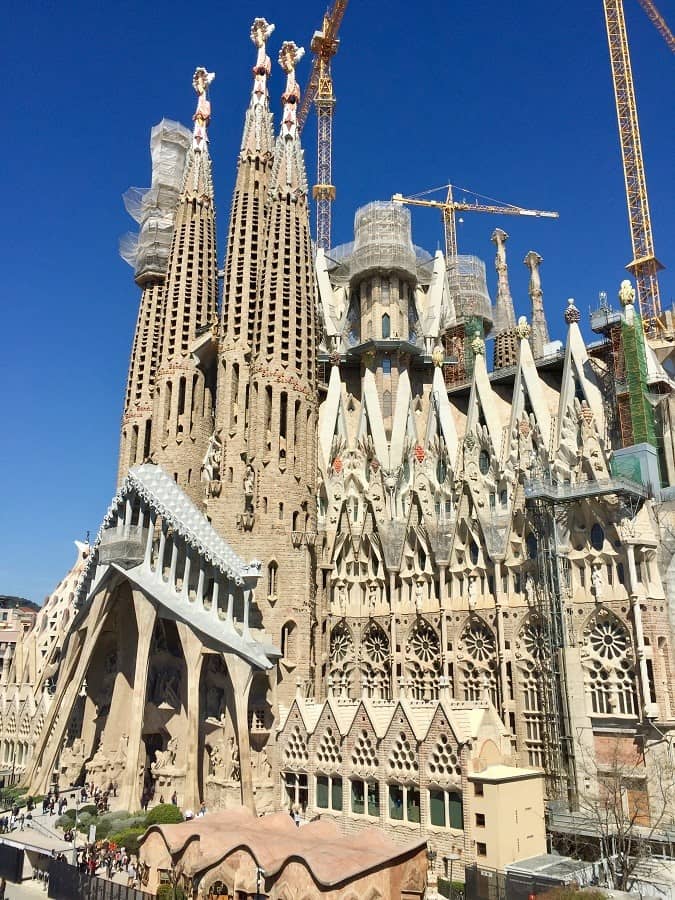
468,288
154,207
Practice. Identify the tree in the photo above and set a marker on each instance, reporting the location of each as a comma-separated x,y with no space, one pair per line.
627,805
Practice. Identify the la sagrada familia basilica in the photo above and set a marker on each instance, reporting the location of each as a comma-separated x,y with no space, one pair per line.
371,533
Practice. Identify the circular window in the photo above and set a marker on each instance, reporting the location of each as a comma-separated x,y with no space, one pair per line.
484,462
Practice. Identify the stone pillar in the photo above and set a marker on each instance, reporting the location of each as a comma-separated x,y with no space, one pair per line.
392,634
130,788
72,676
241,676
645,693
192,650
442,600
501,646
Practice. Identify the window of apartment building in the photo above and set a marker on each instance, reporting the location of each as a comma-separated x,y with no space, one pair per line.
446,809
365,797
480,820
329,792
481,849
295,786
477,789
404,803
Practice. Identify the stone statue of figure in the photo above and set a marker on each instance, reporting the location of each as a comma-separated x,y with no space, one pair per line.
200,82
472,592
529,590
289,56
597,582
216,764
210,472
419,596
249,487
264,765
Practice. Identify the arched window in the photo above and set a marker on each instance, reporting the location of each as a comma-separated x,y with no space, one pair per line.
473,553
386,404
289,641
272,577
386,326
531,543
597,536
484,462
609,671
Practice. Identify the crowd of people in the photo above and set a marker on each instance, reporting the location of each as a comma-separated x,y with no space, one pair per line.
106,860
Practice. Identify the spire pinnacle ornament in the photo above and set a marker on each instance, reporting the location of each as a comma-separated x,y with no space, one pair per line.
261,31
200,82
289,56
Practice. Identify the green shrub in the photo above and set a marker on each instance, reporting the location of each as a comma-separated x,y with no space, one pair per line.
69,814
88,810
164,814
128,838
447,888
169,892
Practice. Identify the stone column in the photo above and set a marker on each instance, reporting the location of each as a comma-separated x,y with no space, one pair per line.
392,635
130,788
442,600
637,624
501,651
72,676
241,676
192,650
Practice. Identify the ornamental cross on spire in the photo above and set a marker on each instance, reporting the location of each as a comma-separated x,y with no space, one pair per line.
200,82
289,56
261,31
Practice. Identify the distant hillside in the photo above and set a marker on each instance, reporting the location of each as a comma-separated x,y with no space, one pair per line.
9,602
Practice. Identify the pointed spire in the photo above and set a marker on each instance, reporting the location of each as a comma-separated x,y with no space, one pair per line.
506,341
288,172
505,316
258,134
539,327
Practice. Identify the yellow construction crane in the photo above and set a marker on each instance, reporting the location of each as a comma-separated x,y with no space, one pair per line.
644,265
324,46
449,207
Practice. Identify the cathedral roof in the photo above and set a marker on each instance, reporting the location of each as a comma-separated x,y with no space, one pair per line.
173,504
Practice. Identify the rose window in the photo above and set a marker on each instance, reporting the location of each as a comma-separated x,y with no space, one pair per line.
479,642
608,639
340,643
534,640
424,643
376,644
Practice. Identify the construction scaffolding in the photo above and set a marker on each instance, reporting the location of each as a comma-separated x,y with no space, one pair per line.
641,412
382,240
467,286
459,357
154,207
553,590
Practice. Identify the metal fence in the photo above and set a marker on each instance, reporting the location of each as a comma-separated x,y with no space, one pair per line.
491,884
67,883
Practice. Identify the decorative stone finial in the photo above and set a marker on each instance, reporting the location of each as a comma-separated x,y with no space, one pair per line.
437,355
289,56
523,328
478,345
200,82
260,32
626,293
572,314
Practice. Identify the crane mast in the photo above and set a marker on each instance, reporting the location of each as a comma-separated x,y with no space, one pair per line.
644,265
449,207
659,22
324,46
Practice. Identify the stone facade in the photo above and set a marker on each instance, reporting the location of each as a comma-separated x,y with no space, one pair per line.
324,490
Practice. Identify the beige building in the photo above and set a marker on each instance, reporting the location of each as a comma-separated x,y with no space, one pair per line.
334,501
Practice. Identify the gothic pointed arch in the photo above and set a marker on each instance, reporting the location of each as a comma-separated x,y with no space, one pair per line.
375,661
476,654
341,655
423,664
609,671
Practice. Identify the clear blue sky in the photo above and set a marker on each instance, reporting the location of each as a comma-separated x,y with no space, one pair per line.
513,100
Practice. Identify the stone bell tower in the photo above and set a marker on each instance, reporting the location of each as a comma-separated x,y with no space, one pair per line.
241,297
184,395
269,508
